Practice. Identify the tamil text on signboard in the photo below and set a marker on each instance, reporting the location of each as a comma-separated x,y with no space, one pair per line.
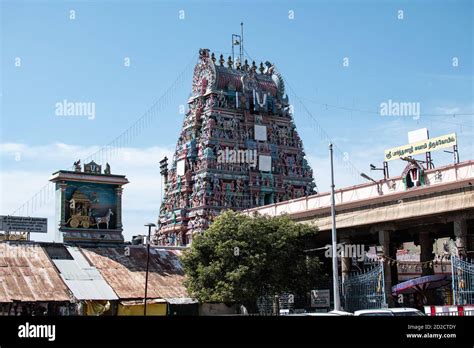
23,224
424,146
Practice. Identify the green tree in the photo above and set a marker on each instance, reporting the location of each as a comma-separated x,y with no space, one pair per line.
239,257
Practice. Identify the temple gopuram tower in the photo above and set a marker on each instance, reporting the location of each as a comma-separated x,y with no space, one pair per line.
238,148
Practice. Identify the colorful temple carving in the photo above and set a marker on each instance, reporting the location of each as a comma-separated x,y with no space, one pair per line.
238,148
89,205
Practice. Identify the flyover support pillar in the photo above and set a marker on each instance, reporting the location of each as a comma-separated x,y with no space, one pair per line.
390,267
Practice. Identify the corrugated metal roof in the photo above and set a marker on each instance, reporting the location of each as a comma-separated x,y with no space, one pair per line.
27,274
126,274
84,280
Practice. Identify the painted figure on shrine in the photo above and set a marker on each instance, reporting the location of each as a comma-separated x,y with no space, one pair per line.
238,148
89,204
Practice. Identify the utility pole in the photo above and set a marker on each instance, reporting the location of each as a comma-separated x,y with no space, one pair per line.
335,273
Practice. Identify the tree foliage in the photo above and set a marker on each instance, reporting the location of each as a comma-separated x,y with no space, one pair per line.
239,257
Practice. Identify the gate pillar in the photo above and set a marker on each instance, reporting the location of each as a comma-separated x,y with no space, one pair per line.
345,259
460,232
346,263
384,240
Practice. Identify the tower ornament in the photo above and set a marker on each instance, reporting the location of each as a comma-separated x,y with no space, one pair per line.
204,74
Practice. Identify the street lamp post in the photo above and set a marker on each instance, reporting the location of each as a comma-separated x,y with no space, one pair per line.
384,169
335,273
150,225
379,188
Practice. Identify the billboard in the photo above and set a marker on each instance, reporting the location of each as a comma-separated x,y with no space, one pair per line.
418,135
420,147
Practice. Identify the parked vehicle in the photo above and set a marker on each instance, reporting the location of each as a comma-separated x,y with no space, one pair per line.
390,312
330,314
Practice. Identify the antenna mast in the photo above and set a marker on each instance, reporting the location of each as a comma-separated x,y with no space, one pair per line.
241,41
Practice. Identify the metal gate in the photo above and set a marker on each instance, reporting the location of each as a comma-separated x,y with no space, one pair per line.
463,281
364,290
265,304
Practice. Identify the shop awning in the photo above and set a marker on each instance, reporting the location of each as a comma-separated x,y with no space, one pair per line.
421,284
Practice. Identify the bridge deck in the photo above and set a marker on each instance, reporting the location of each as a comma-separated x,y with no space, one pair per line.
446,189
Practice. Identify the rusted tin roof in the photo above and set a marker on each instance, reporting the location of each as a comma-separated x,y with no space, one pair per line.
126,274
28,275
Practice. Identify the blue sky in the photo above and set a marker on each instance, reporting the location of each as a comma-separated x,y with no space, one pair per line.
403,60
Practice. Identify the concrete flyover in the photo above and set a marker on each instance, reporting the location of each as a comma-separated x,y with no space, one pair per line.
447,190
387,213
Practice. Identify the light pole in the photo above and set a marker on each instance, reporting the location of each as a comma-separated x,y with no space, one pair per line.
379,188
384,169
335,273
150,225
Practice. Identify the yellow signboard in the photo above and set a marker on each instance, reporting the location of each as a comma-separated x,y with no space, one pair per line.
424,146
